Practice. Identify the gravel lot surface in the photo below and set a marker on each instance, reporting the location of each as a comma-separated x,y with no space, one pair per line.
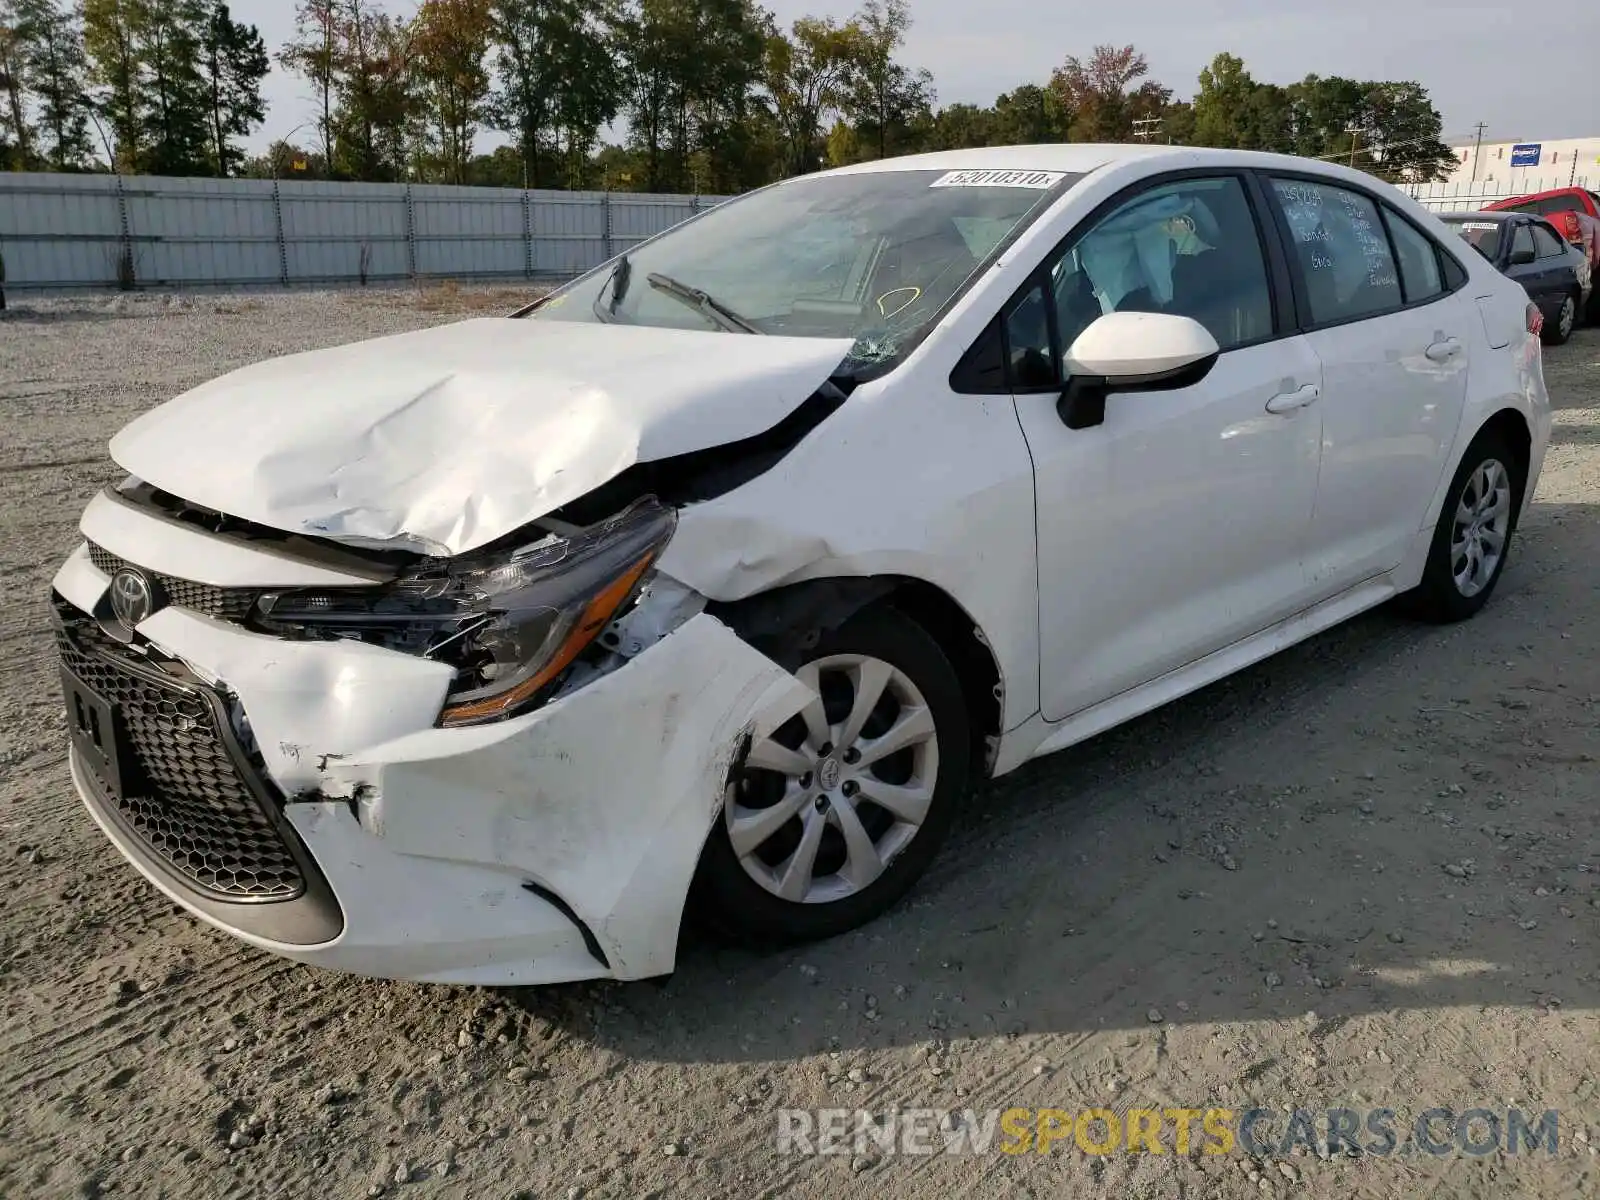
1366,873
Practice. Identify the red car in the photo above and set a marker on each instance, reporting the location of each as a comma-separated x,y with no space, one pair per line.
1575,212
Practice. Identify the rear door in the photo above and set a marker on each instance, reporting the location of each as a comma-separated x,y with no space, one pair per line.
1522,262
1392,336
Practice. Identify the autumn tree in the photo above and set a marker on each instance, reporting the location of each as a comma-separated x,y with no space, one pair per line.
1105,94
233,64
377,90
450,47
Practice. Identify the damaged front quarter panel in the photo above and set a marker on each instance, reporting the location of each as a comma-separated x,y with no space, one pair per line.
604,797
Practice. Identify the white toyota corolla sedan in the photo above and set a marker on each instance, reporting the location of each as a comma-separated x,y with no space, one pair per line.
711,582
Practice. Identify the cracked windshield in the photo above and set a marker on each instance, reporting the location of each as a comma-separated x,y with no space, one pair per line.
871,256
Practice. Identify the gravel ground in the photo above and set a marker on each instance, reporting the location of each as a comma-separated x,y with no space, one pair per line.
1366,872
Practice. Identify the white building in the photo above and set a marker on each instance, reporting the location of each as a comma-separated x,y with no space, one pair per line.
1512,168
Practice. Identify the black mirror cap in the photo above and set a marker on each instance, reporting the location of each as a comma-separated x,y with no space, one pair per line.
1521,258
1083,401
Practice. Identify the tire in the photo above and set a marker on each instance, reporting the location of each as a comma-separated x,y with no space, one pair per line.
1442,596
1559,328
879,643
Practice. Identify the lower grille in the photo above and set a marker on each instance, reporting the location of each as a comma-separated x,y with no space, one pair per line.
208,599
184,793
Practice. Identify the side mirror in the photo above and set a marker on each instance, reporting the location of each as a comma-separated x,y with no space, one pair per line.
1521,258
1132,352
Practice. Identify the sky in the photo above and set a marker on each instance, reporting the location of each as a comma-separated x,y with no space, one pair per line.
1527,74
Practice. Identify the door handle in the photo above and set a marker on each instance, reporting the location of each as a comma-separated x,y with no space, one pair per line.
1444,350
1287,402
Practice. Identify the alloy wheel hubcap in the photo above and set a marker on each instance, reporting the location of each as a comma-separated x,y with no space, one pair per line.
1482,524
832,797
1569,314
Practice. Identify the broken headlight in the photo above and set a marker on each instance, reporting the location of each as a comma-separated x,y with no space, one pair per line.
510,624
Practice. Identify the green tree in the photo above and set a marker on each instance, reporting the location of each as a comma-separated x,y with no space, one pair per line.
57,75
887,100
1404,128
691,69
233,62
959,126
16,130
1222,103
176,111
110,41
314,56
559,83
1030,115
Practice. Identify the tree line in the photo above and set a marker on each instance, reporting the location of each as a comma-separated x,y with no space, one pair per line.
713,95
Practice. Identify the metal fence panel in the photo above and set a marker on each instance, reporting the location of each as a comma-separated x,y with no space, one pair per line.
1473,195
73,231
569,232
64,227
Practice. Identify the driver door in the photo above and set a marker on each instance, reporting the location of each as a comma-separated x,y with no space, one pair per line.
1178,524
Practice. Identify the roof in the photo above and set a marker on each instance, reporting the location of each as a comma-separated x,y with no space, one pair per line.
1496,216
1075,157
1080,158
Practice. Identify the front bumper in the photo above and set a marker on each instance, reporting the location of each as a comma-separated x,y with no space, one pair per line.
553,847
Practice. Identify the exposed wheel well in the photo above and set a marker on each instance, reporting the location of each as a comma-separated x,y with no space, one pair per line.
1511,425
785,622
969,652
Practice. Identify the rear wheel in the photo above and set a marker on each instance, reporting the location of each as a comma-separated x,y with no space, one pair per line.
1559,329
1473,537
832,818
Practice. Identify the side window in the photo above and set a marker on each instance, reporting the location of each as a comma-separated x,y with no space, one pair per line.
1546,244
1344,257
1030,361
1189,247
1522,242
1419,260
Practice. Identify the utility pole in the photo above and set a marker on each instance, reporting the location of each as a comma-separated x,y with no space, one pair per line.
1146,128
1477,148
1355,139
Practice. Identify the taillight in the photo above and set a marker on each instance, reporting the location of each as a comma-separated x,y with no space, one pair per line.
1569,223
1535,320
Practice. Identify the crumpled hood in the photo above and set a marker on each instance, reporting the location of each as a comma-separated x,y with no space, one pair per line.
442,440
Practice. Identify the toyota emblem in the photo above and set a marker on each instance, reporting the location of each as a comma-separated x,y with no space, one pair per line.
132,598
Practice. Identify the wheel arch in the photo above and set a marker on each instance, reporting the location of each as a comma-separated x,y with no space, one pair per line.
1512,425
784,622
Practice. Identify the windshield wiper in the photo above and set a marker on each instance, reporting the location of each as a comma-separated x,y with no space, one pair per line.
714,310
618,282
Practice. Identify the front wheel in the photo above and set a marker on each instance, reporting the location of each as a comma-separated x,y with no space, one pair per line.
831,819
1473,537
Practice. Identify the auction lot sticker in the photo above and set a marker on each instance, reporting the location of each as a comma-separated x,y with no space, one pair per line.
1041,180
